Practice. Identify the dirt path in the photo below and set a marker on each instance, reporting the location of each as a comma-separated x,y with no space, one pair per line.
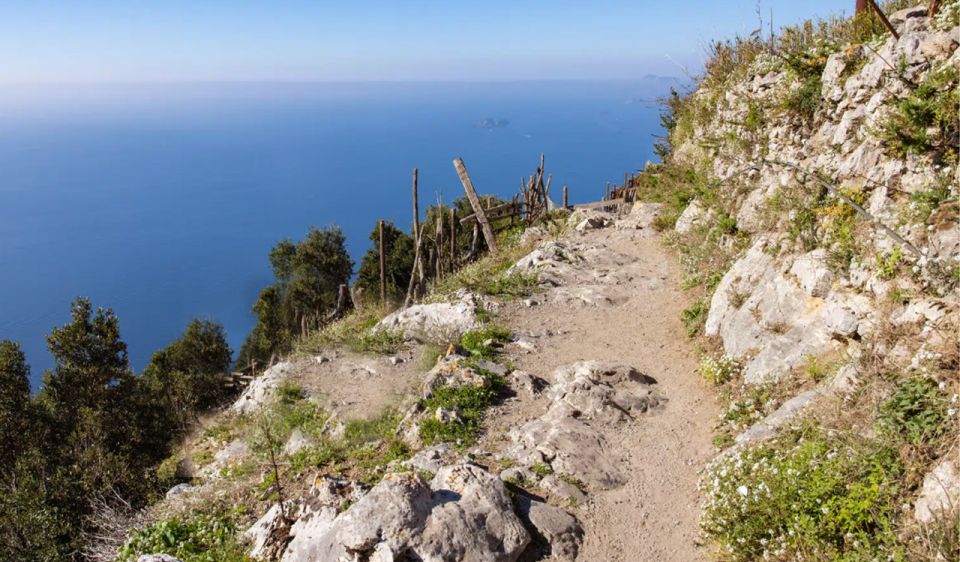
635,320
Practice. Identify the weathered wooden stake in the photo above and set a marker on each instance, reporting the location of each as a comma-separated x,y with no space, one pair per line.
475,203
416,209
412,284
884,19
383,265
453,239
565,205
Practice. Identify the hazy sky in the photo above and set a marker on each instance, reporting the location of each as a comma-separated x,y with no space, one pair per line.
190,40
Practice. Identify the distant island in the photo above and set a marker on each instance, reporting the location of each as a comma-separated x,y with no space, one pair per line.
491,123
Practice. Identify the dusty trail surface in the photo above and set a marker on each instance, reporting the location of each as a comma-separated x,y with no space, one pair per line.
621,304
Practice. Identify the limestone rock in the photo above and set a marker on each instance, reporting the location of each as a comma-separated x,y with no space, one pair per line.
693,216
786,413
298,441
437,322
642,216
812,272
157,558
561,530
261,388
179,490
940,492
464,513
583,395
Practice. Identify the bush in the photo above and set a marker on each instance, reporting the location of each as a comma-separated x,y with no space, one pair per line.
916,413
198,538
482,343
719,370
469,402
809,495
906,129
694,317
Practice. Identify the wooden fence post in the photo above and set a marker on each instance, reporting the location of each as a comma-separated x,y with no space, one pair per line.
453,239
416,209
565,206
883,18
475,202
383,265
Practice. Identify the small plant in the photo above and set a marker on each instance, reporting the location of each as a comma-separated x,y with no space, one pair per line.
197,538
888,263
694,317
916,413
719,370
541,470
383,342
470,403
818,369
482,343
289,392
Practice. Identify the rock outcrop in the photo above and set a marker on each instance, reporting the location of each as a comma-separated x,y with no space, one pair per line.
567,437
463,513
438,322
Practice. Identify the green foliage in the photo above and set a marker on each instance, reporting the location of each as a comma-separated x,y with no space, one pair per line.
888,263
199,538
14,401
675,186
308,276
916,413
695,316
380,341
933,104
542,470
489,276
469,402
809,493
483,342
805,100
719,370
924,202
398,249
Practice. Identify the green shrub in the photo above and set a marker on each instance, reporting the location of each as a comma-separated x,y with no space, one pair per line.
810,495
482,343
198,538
383,342
470,403
695,316
719,370
916,413
888,263
933,104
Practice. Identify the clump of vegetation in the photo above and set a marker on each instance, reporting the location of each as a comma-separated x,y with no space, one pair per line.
916,413
398,250
197,538
810,493
719,370
888,263
468,402
354,331
483,343
695,316
931,106
308,276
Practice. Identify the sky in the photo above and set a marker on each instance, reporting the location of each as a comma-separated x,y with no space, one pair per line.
66,41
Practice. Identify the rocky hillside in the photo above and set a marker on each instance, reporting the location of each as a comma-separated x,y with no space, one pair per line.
755,361
811,190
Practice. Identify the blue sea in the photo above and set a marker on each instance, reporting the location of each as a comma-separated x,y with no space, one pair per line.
162,201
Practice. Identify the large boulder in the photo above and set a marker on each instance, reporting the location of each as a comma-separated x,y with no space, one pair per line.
157,558
438,322
693,216
463,514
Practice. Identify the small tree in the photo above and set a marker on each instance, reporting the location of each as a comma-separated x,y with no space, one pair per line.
398,249
14,398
